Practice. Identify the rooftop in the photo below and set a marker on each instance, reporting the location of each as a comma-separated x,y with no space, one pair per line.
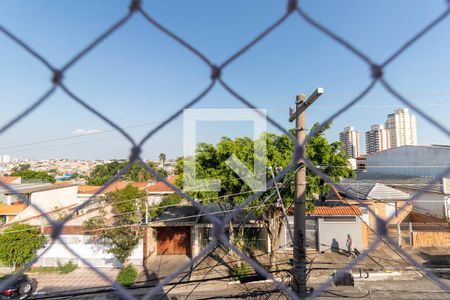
28,188
161,187
339,210
430,184
9,179
372,190
12,209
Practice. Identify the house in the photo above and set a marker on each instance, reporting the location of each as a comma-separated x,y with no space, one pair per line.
16,206
11,179
434,197
157,191
182,230
384,201
327,227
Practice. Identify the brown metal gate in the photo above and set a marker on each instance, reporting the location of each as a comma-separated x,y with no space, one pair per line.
173,240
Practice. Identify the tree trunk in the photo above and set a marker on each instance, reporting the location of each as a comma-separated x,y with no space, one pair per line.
273,227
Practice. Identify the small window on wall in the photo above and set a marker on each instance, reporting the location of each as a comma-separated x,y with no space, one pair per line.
346,219
2,219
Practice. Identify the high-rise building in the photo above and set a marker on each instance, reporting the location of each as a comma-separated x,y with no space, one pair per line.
350,138
377,139
402,128
5,159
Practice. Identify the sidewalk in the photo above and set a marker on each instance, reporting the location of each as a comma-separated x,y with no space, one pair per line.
81,278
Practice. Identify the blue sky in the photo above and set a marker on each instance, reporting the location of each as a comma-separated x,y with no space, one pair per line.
139,76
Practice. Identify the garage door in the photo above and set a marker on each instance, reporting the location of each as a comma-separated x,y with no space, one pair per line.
173,240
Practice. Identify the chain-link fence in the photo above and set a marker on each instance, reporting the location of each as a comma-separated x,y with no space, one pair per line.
217,233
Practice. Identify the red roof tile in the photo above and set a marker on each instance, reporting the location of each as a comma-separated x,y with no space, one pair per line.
12,209
351,210
161,187
9,179
118,185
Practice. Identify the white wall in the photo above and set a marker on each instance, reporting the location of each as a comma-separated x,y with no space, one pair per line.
337,232
94,253
429,203
155,199
410,161
49,200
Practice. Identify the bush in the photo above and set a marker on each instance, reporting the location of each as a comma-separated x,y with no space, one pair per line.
19,243
62,269
127,276
240,271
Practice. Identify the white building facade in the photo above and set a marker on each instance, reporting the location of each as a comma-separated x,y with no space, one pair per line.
377,139
350,138
402,128
410,161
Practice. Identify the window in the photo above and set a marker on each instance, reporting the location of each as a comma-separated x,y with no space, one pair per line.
343,219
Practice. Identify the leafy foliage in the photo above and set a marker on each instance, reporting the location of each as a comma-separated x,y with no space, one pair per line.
18,244
168,200
62,269
34,176
127,276
120,231
240,271
210,163
104,172
162,158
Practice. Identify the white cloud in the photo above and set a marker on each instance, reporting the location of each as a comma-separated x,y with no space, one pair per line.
82,131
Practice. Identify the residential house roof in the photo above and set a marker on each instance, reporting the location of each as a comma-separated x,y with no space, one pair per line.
28,188
161,187
115,186
331,208
340,210
12,209
177,215
429,184
10,179
371,191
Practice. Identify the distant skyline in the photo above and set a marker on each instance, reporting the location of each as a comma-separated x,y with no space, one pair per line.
139,76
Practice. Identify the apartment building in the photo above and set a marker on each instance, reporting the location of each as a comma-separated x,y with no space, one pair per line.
402,128
377,139
350,138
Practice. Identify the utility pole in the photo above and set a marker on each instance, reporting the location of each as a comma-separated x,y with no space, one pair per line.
299,244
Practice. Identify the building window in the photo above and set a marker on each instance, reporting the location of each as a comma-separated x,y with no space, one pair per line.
343,219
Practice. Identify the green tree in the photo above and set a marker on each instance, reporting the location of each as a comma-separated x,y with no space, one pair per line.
18,244
162,158
34,176
210,163
21,167
119,231
168,200
104,172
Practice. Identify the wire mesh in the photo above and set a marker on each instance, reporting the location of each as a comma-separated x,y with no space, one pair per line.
293,9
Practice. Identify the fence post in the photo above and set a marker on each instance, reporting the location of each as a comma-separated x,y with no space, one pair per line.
410,234
399,234
146,212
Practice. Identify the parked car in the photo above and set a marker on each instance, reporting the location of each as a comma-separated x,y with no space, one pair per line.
21,288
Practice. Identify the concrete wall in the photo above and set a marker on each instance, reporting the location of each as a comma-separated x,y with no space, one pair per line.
155,198
95,253
330,231
427,161
49,200
430,203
